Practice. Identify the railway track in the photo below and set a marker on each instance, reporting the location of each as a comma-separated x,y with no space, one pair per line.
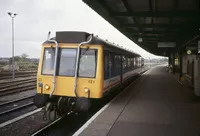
12,109
45,128
8,75
3,82
16,83
16,73
16,100
69,124
66,125
17,87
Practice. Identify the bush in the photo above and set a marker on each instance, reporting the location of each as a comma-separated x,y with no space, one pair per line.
22,63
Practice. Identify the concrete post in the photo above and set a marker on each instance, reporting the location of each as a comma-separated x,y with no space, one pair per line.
169,60
197,76
173,62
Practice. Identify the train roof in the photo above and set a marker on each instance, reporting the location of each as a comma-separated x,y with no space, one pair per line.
79,36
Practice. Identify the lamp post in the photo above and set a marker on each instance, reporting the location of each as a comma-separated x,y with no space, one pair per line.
12,15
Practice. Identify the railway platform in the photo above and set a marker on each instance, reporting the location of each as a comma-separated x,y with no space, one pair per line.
156,104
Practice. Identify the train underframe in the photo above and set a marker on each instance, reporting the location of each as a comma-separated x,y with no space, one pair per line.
61,105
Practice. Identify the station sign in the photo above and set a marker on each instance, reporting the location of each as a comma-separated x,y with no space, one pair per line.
191,48
166,44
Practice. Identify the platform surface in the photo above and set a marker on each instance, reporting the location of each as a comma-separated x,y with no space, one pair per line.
154,105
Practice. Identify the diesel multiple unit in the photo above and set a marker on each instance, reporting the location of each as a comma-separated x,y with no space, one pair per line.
77,67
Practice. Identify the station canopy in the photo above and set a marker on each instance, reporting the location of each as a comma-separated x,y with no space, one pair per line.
158,26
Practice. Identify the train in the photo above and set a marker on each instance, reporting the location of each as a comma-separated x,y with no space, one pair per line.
77,67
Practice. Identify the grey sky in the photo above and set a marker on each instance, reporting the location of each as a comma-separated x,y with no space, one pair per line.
37,17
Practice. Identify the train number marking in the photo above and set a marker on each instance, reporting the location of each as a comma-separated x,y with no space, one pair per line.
91,81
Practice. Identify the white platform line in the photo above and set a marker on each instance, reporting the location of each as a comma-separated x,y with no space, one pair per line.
80,130
90,120
19,118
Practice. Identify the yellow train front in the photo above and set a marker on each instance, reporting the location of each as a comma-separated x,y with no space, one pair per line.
76,67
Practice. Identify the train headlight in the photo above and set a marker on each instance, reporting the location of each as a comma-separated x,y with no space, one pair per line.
86,90
47,87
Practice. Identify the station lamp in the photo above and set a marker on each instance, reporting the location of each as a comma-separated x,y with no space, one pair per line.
12,15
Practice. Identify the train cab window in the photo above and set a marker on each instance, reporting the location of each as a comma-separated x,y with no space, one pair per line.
67,62
48,61
87,64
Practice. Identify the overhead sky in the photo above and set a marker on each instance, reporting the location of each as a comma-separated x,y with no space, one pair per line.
37,17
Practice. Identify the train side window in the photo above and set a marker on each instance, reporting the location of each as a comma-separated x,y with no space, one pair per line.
117,65
106,66
112,60
129,63
132,63
125,64
136,62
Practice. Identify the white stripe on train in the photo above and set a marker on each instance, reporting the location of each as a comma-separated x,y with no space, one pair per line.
108,83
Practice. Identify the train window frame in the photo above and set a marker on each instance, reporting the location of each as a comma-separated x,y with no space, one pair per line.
96,56
41,73
96,51
112,62
117,64
59,60
106,64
